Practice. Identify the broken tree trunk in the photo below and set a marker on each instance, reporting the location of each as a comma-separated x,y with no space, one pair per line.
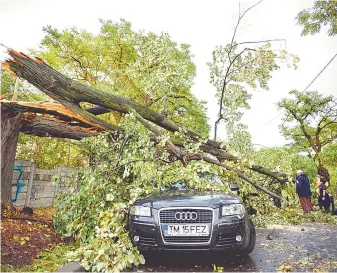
70,93
11,123
50,127
52,119
36,118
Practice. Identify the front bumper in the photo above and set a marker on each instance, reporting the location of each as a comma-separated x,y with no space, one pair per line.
223,234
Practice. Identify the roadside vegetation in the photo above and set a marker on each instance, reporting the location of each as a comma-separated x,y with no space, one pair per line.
90,225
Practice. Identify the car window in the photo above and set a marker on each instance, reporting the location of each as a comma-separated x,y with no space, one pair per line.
215,179
182,185
179,186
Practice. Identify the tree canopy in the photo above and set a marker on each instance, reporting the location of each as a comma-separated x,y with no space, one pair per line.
323,13
148,68
145,67
310,122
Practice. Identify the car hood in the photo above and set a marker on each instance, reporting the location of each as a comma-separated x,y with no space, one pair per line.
187,199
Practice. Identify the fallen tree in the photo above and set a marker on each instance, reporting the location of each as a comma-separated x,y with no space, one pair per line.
41,119
67,119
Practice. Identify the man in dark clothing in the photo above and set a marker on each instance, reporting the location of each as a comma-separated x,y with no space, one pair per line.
303,191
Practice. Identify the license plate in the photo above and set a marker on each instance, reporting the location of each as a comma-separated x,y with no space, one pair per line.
186,230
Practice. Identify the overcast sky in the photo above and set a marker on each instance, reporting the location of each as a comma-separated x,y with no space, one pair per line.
203,25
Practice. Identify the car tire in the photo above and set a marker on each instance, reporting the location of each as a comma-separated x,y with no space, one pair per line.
246,250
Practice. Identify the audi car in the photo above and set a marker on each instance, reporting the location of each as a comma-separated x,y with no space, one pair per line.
181,219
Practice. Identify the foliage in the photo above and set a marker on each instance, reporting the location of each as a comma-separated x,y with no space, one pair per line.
294,216
288,162
25,92
49,153
217,268
310,121
329,159
273,157
7,84
120,173
236,70
285,160
323,13
148,68
302,162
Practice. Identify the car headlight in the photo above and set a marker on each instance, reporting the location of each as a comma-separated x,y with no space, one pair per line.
233,209
140,211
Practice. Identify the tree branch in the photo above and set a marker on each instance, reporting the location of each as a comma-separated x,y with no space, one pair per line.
70,93
238,172
264,41
173,148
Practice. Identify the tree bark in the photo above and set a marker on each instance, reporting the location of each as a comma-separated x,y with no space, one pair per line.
281,177
70,93
55,121
14,121
51,127
11,123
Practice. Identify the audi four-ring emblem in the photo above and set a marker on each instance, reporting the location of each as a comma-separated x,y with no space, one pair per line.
186,215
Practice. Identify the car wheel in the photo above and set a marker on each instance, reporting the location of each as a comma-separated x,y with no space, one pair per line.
246,250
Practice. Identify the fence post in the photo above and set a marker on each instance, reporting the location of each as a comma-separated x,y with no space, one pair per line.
58,173
30,183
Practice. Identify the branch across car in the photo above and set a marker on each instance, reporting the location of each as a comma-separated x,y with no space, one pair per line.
180,219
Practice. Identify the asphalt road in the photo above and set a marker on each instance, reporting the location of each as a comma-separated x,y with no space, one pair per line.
310,247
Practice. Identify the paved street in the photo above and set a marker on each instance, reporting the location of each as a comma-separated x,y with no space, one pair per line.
309,247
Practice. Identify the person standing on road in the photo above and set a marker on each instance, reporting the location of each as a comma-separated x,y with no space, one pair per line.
324,198
303,191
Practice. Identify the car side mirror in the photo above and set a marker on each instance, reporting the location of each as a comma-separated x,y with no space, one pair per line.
234,187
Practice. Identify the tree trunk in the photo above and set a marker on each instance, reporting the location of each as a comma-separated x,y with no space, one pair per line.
51,127
10,127
70,93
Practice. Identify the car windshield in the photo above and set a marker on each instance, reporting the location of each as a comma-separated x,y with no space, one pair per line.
182,185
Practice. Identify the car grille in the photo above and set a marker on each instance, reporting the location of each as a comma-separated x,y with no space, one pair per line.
205,216
168,216
186,239
187,247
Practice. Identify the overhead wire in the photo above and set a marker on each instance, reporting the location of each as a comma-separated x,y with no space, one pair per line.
303,90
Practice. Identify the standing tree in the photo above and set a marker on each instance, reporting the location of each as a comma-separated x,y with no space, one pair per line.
238,68
310,123
322,13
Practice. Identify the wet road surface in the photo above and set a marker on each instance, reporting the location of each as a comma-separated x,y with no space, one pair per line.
309,247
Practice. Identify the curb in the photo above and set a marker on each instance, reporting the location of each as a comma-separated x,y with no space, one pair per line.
72,267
